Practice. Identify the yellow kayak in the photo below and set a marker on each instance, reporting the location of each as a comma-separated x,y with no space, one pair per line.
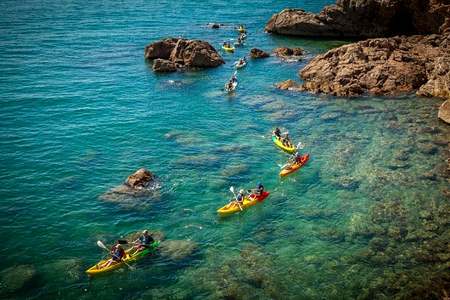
280,145
249,201
228,49
95,270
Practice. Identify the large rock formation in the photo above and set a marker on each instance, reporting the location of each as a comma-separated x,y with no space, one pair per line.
176,53
444,112
363,18
383,66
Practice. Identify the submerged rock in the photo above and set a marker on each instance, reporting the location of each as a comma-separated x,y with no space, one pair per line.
176,53
178,249
15,278
65,271
258,53
369,18
140,183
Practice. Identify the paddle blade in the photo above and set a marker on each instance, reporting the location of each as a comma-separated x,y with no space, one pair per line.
101,245
300,145
232,189
122,242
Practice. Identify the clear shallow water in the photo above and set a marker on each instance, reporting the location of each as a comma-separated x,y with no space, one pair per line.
81,110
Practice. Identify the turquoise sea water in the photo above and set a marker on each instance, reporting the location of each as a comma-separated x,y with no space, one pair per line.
81,110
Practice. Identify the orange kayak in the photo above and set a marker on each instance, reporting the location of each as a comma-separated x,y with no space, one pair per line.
295,166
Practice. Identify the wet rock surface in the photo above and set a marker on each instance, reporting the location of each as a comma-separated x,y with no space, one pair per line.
258,53
141,183
174,54
444,112
289,54
371,18
289,84
384,66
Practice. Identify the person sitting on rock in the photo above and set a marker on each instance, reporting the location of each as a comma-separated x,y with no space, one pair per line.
117,255
143,242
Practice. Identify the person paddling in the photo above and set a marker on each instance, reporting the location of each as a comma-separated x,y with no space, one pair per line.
143,242
117,254
277,133
240,196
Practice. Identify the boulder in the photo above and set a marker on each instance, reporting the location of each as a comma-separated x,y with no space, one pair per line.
368,18
164,66
288,85
258,53
383,66
178,53
284,52
140,183
15,278
177,249
140,179
444,112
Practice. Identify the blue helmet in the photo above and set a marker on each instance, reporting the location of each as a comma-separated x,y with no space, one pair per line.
259,184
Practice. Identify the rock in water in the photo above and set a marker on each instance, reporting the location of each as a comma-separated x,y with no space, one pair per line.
383,66
258,53
140,179
368,18
444,112
178,53
177,249
140,183
288,53
15,278
289,84
164,65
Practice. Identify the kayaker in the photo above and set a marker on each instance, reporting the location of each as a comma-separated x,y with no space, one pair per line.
143,242
296,158
259,189
117,255
277,132
240,196
286,140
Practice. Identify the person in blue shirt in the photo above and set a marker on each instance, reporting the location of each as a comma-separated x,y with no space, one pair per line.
143,242
117,254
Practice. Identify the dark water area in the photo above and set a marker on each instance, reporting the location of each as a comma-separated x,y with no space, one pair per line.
367,218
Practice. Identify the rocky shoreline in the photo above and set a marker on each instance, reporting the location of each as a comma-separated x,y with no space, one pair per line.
411,53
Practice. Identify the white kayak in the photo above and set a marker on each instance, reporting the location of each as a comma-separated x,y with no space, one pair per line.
231,88
240,65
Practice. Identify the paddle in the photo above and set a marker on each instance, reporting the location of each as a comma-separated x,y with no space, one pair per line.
235,197
101,245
